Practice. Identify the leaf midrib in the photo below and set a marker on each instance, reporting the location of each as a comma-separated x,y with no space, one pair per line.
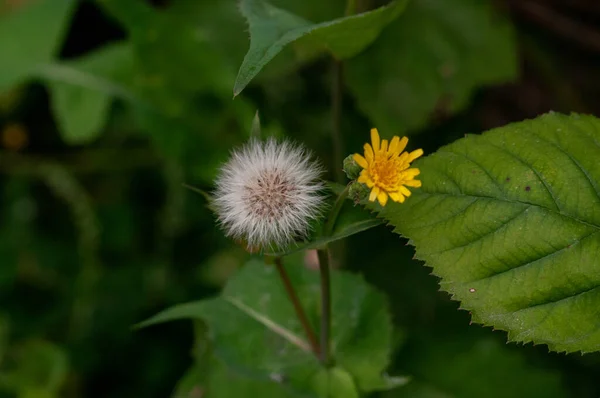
276,328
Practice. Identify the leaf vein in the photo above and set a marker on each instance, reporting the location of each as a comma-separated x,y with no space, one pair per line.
479,238
451,216
554,252
536,205
535,171
574,161
482,168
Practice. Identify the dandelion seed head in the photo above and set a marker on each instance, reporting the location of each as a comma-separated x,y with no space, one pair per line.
268,193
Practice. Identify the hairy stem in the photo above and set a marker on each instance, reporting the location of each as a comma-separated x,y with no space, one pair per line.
289,288
325,304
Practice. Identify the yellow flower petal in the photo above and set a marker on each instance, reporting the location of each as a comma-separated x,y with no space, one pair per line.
415,154
404,191
374,193
411,173
368,153
362,162
402,144
396,197
394,144
375,139
384,146
382,198
413,183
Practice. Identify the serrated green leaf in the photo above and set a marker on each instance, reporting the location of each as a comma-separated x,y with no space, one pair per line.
433,57
510,220
272,28
25,47
254,328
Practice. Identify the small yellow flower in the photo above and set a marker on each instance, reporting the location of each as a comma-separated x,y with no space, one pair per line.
386,168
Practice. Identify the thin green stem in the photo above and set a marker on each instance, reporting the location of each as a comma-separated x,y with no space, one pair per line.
289,288
335,211
325,304
337,92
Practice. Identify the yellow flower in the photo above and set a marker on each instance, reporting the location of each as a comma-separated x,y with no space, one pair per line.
386,168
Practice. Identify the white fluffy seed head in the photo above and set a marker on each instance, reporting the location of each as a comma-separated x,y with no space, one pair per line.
268,193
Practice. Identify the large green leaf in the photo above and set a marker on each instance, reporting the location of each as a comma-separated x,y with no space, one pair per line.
23,45
463,367
510,220
209,377
272,28
255,331
433,57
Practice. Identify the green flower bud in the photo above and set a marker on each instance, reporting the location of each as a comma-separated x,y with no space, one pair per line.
351,168
358,192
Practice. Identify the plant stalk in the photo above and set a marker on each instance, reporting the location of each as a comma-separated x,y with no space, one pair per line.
323,255
289,288
335,211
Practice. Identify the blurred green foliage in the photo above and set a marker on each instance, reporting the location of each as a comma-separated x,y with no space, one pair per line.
107,107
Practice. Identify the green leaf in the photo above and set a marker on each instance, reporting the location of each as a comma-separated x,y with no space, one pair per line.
217,381
335,383
80,112
430,59
23,45
82,90
255,331
109,70
272,28
228,384
463,367
510,220
211,378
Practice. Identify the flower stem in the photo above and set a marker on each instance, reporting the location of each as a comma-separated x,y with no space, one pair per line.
335,211
325,304
289,288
